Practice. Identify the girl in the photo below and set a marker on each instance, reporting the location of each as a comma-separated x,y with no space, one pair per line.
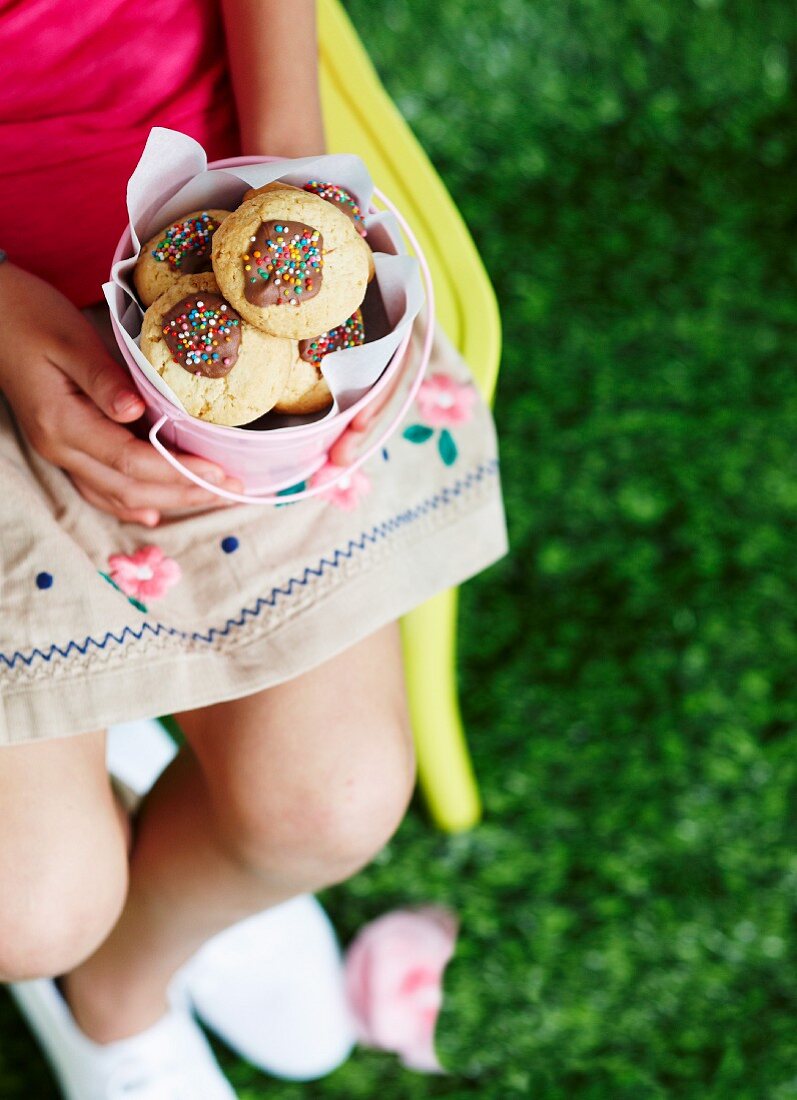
128,592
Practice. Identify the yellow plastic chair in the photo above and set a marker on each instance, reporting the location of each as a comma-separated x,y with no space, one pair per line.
361,118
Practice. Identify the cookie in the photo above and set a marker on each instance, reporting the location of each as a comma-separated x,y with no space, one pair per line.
277,185
182,248
222,369
330,192
307,390
340,198
290,263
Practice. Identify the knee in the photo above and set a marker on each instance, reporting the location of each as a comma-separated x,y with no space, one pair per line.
324,823
337,829
53,917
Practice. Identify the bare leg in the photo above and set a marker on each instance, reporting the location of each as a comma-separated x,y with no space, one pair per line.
63,864
281,793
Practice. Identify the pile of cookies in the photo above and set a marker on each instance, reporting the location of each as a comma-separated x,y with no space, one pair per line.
242,306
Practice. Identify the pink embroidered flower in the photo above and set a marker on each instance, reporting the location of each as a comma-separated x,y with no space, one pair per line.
347,492
442,401
394,971
146,575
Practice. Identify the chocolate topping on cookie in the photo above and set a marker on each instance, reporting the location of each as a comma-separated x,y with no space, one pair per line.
203,333
340,198
283,265
185,246
348,335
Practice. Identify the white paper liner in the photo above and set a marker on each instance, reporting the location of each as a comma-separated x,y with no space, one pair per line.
172,179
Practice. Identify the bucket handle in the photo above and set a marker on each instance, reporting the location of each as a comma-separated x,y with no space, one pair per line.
345,471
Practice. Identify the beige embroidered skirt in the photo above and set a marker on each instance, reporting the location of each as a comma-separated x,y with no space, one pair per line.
104,622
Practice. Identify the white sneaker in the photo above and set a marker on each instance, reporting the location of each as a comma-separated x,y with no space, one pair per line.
270,986
171,1060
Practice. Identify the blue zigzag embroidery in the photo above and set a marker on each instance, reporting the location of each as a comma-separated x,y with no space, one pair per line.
378,532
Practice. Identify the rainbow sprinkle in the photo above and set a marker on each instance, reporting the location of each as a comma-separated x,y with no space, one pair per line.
334,194
185,238
292,262
348,335
197,329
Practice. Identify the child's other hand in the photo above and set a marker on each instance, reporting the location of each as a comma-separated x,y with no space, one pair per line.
346,447
72,400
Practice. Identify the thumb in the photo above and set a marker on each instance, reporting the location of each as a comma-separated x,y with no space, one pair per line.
105,381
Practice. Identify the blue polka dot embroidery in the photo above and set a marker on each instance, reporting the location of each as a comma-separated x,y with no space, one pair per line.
230,544
44,580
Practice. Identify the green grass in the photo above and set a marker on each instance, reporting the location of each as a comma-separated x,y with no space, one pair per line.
629,676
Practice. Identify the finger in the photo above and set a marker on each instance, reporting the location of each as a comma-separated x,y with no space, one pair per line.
125,493
89,432
147,517
365,418
203,468
108,384
344,450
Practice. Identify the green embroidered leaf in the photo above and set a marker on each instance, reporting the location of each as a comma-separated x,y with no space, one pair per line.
447,447
418,433
302,485
292,489
137,604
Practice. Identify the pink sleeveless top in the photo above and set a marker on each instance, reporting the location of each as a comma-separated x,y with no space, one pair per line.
83,83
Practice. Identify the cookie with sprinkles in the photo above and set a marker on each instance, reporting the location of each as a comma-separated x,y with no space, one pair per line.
220,368
283,264
330,192
182,248
203,334
307,390
290,263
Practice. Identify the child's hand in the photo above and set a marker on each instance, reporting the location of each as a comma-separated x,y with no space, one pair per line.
346,447
71,399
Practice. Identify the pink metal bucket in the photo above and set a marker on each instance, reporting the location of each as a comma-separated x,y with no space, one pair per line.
270,461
